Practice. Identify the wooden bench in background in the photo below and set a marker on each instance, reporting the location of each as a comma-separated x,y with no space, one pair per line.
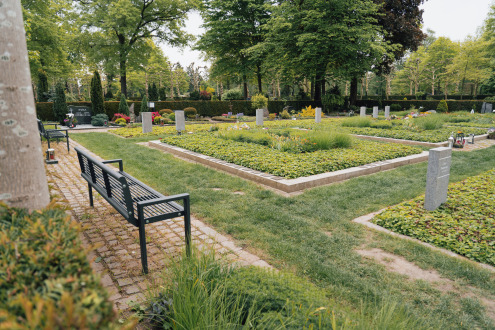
138,203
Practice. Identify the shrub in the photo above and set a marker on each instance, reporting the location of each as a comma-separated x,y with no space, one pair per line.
442,106
285,114
171,116
259,101
99,119
333,101
120,121
157,120
47,281
42,90
357,122
308,111
121,115
204,95
233,94
60,105
190,112
272,115
123,107
144,104
395,107
165,112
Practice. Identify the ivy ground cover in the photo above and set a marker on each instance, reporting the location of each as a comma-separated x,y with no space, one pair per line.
286,164
464,224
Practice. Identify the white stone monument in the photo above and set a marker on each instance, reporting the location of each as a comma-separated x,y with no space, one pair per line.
375,112
147,123
180,120
437,177
259,117
387,111
318,115
362,111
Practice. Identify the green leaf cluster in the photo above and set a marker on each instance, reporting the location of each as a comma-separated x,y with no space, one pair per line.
464,224
46,281
97,94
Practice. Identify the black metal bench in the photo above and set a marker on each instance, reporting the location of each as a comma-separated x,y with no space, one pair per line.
53,134
138,203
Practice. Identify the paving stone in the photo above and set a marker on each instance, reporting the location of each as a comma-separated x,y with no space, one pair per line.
124,282
106,280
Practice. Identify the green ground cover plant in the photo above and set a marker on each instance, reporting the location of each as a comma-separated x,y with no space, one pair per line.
288,164
312,236
46,281
464,224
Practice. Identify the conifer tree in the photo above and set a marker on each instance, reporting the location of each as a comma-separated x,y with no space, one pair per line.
144,105
59,104
97,94
42,87
123,107
153,93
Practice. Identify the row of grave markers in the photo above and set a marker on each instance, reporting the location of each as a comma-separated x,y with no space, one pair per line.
362,112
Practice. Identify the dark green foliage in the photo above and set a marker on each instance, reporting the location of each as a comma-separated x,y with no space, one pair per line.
442,106
194,95
333,101
123,107
232,94
153,92
97,94
162,92
453,105
42,87
43,263
190,112
99,119
395,107
144,105
59,105
109,95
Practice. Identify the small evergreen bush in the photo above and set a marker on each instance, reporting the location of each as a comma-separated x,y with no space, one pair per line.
395,107
123,107
99,119
259,101
190,112
442,106
97,94
165,112
233,94
60,108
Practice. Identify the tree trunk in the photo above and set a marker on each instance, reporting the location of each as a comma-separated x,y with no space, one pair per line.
353,96
123,77
245,86
171,81
258,75
22,186
317,93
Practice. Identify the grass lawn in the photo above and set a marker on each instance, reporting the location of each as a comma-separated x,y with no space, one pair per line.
312,234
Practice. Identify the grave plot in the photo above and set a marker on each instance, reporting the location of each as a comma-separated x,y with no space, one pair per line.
463,224
290,160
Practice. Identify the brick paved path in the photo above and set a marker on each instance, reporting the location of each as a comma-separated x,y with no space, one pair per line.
481,144
116,256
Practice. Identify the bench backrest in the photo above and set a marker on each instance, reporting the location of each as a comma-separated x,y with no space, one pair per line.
41,127
110,184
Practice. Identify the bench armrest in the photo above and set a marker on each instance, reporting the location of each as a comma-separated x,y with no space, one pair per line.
51,124
121,165
57,130
185,197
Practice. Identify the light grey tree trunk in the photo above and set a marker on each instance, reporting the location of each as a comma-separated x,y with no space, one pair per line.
22,173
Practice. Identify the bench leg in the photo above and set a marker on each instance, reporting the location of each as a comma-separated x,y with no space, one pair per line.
142,244
48,140
67,137
90,189
187,225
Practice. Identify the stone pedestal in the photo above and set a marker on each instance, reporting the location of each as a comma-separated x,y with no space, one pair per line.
437,177
180,120
375,112
318,115
259,117
147,123
362,111
387,111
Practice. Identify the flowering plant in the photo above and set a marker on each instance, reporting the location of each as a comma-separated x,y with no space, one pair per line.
121,115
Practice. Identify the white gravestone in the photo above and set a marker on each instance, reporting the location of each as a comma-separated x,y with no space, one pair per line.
437,177
375,112
387,111
180,120
318,115
259,117
362,111
147,123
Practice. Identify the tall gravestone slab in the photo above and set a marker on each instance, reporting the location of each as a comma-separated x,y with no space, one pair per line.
147,123
82,114
132,115
318,115
375,112
362,111
259,117
437,177
387,111
489,108
180,120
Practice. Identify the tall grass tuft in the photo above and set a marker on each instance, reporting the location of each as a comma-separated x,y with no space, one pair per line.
357,122
429,122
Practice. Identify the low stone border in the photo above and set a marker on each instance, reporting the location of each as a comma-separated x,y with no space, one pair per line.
415,143
366,220
289,185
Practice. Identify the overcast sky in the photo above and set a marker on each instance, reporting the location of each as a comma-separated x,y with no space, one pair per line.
454,19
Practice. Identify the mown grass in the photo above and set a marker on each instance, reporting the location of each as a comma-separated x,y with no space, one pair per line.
312,234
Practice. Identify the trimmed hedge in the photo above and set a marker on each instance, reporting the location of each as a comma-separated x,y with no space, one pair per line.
46,280
427,105
434,97
44,110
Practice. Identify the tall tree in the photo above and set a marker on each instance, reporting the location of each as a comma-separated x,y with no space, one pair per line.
232,27
20,186
128,24
60,109
97,94
42,86
439,55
